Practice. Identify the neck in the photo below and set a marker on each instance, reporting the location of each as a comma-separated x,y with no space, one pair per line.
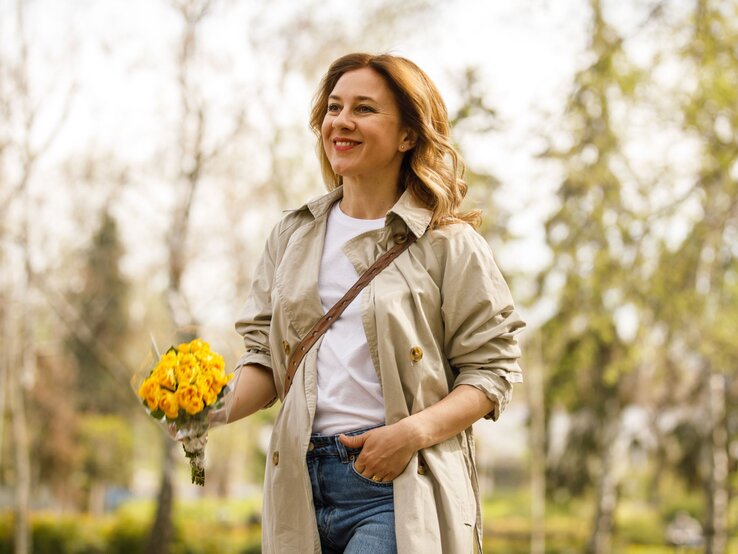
364,200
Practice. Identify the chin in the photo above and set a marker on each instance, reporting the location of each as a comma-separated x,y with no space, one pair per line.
342,171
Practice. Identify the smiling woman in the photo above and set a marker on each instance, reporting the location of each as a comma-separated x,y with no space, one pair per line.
434,171
364,138
372,449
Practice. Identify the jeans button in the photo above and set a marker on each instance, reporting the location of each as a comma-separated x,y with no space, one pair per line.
311,447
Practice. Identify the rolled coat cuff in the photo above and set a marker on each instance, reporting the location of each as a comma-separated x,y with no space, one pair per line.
255,357
496,384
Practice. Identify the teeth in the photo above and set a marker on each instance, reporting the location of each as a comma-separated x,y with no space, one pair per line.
344,143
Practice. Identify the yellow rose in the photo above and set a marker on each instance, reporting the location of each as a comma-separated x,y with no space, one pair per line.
218,362
150,392
169,359
166,377
168,404
224,378
220,380
207,386
198,345
186,371
212,360
190,399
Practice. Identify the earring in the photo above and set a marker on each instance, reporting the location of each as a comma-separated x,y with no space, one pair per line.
402,148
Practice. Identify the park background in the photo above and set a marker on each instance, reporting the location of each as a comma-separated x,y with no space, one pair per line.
147,147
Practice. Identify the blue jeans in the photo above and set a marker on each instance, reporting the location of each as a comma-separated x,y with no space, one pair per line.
355,515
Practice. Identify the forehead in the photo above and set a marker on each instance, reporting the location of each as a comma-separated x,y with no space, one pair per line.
363,82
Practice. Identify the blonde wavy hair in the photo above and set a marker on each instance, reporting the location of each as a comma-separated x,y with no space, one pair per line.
433,171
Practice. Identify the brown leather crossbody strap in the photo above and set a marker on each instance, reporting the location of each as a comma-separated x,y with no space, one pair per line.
322,325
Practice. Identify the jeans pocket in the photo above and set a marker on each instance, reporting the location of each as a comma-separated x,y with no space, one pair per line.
366,480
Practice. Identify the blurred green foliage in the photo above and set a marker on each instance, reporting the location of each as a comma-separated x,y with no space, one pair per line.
201,527
213,526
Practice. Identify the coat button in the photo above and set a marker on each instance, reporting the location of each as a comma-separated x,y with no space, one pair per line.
286,347
421,470
416,353
275,457
399,238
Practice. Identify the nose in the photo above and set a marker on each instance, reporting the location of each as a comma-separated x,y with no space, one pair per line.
343,120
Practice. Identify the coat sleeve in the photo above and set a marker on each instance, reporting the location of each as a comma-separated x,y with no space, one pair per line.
255,319
480,321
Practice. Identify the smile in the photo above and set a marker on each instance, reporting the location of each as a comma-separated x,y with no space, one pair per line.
343,145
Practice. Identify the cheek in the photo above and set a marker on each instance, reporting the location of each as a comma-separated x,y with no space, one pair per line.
325,131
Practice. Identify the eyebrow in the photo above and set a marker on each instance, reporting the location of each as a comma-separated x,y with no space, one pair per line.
360,98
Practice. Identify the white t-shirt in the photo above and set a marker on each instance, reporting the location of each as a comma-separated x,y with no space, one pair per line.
349,394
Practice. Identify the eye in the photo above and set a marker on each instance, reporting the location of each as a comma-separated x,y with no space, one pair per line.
363,108
333,108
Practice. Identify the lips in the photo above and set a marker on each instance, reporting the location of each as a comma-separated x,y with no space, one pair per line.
344,144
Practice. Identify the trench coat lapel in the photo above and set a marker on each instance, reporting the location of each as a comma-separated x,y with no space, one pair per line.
296,278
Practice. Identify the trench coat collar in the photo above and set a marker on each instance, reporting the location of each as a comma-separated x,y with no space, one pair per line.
416,217
408,208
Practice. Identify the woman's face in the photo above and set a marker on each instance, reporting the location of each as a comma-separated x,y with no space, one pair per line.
362,131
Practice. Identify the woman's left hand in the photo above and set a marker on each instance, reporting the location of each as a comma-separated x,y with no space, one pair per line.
385,451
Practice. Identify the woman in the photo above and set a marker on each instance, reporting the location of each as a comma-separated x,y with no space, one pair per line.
372,449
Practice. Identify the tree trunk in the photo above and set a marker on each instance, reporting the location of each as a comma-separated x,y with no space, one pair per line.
600,541
96,499
162,531
5,364
538,453
21,361
22,470
716,524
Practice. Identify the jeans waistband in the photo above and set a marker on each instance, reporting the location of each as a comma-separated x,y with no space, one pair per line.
330,445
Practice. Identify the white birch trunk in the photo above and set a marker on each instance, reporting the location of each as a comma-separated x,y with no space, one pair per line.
600,541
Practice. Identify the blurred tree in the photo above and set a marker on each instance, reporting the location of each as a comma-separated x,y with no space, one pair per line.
592,368
694,289
473,119
102,304
25,139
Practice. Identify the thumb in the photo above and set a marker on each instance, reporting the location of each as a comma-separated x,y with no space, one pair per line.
354,441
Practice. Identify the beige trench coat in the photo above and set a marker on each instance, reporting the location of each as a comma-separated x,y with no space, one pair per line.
439,316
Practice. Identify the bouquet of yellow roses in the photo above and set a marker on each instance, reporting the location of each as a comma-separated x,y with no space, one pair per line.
187,383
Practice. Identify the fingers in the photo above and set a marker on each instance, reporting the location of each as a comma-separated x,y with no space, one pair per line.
377,475
353,441
384,455
357,441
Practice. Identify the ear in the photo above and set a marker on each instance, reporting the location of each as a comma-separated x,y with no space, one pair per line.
408,141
